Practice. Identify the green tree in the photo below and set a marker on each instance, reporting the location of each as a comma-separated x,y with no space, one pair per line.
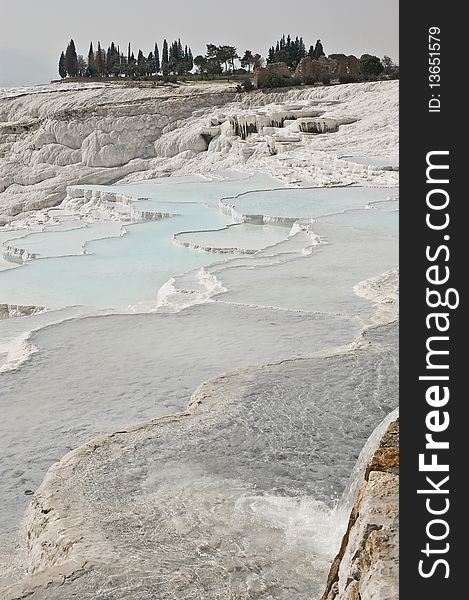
62,69
91,62
99,61
370,65
318,50
165,58
226,55
112,60
387,62
283,56
247,60
156,58
188,59
201,64
174,58
71,60
391,70
150,64
212,51
288,50
180,51
213,67
81,66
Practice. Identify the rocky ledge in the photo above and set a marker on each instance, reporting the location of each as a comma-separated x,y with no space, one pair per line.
8,311
367,564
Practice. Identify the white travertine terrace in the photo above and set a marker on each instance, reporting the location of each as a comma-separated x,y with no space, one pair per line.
102,134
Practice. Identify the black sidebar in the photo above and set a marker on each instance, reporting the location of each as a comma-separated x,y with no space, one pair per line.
434,242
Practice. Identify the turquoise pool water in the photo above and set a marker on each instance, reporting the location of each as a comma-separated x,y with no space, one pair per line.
120,270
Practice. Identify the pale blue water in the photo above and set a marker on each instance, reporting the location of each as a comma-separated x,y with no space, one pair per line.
392,204
121,271
66,238
378,221
241,235
99,373
128,270
308,203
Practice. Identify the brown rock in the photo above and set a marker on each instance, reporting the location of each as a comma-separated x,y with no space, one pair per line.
345,65
333,65
279,69
367,563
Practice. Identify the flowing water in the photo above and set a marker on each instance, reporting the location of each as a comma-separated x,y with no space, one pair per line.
292,298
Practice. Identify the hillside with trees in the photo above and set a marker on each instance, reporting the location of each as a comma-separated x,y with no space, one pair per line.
175,59
291,51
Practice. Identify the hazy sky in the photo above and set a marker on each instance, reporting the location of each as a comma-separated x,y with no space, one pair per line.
34,32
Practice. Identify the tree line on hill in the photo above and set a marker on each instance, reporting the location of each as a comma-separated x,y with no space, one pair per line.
176,59
291,51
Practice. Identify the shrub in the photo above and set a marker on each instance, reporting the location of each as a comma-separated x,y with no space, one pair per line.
274,81
370,65
348,78
295,81
309,80
326,80
247,85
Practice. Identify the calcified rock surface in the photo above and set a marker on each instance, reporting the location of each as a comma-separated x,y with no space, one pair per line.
367,566
100,134
8,311
229,499
93,134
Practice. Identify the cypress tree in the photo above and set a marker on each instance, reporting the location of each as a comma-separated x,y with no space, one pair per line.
302,48
91,61
173,52
62,70
99,62
190,60
71,60
318,50
156,56
173,60
165,58
108,63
